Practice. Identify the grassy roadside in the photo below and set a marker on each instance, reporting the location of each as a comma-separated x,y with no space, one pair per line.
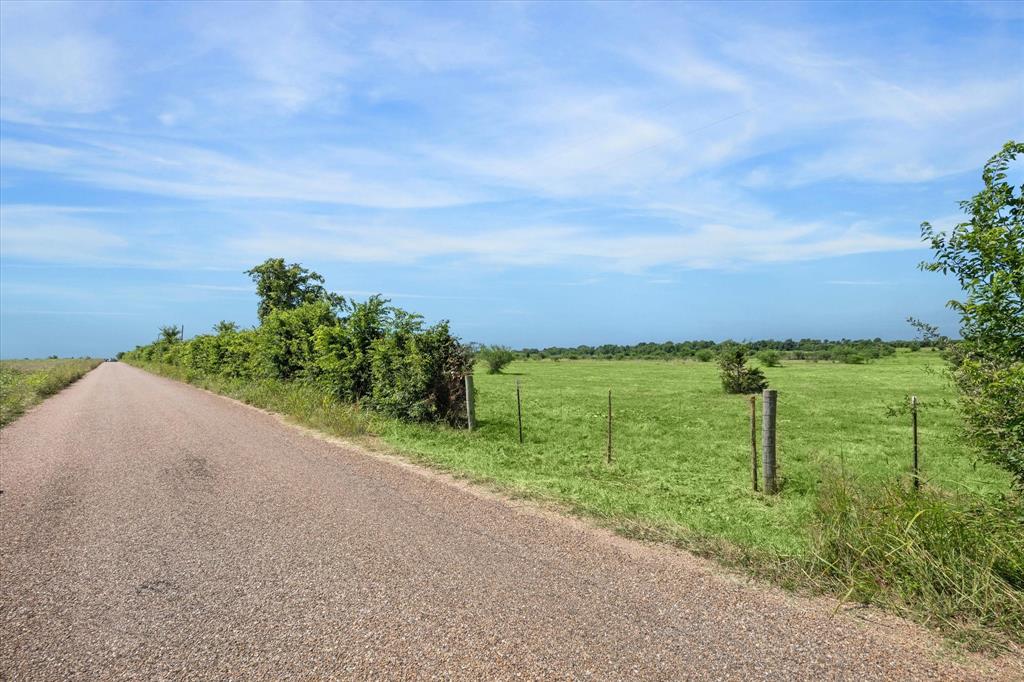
24,383
951,556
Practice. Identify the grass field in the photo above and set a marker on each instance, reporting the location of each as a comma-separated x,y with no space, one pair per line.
24,383
681,452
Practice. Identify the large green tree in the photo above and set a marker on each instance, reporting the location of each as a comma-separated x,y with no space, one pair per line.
986,255
285,287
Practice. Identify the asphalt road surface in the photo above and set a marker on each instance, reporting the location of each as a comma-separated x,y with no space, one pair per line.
153,530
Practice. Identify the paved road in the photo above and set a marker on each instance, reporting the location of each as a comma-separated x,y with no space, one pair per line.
152,530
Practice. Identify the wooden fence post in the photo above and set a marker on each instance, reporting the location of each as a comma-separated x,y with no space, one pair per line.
769,399
519,412
470,403
609,426
753,439
913,420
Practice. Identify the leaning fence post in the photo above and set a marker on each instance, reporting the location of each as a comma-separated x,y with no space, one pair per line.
753,439
609,426
769,399
519,412
470,406
913,420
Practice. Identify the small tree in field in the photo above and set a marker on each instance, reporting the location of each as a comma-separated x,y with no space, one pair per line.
496,357
737,377
986,254
769,357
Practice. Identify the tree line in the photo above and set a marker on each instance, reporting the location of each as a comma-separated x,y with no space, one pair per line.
851,351
368,352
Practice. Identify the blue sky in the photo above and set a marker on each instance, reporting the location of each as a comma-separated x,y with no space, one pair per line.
539,174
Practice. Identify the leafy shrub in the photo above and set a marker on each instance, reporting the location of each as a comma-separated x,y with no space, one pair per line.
496,357
418,376
991,399
285,348
238,353
704,355
986,255
737,377
343,350
769,358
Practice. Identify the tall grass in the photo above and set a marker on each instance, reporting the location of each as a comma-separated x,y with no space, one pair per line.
301,402
24,383
955,561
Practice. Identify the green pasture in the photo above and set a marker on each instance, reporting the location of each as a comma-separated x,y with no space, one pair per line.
680,466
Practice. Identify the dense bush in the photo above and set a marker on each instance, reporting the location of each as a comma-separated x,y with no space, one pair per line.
496,357
285,349
418,375
737,377
704,355
769,357
368,351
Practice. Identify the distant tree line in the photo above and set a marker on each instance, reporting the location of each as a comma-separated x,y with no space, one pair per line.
363,352
853,351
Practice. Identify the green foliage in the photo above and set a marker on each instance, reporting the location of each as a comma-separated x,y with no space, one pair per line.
497,358
705,355
284,287
224,327
239,353
376,353
736,376
23,383
958,560
848,356
416,374
343,349
986,255
769,357
170,334
990,392
285,348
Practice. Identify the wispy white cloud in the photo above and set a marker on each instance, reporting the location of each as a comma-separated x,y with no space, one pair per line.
705,246
673,121
192,172
293,56
53,59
